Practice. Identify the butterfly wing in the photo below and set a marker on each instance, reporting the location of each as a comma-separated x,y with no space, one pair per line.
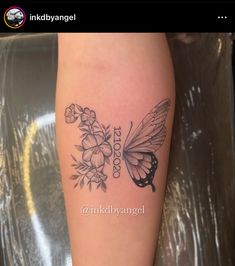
139,147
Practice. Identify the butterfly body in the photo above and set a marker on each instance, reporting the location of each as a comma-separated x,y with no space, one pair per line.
140,146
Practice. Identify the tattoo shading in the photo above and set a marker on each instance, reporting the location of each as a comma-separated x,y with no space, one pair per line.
138,150
140,145
95,148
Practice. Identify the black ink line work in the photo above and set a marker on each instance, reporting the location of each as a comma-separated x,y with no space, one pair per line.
140,145
117,155
138,150
95,148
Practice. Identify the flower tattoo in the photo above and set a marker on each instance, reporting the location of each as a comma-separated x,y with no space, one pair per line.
71,113
88,117
95,148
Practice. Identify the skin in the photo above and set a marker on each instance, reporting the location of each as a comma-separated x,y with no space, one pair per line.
121,77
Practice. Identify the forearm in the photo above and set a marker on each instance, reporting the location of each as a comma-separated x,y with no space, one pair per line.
121,77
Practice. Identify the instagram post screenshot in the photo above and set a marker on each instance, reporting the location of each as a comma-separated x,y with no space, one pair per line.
117,133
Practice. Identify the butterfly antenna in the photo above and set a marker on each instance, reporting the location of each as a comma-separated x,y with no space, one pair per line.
128,134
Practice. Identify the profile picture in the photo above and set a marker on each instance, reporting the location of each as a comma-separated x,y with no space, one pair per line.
14,17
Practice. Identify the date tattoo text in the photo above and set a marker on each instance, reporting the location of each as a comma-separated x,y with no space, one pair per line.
117,152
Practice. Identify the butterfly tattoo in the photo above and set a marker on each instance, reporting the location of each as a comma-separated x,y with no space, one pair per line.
143,142
138,150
